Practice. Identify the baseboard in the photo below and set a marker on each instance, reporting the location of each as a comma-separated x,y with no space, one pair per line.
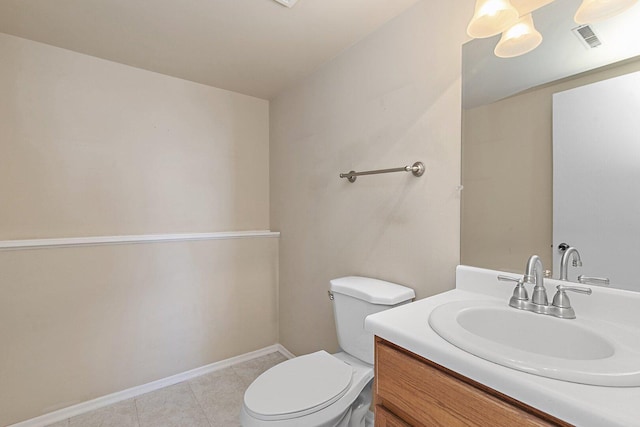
110,399
286,353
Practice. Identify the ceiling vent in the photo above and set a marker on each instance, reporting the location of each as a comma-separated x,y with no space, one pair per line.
288,3
587,36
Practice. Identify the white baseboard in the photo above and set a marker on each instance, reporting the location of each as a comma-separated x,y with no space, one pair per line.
110,399
286,353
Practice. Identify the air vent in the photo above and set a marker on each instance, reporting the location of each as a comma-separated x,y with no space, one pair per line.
288,3
587,36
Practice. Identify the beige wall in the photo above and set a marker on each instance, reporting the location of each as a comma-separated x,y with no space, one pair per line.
388,101
90,147
507,211
80,323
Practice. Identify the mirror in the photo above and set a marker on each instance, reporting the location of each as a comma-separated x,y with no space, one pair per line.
595,176
507,147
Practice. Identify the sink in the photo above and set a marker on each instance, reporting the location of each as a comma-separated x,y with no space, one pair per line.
533,333
580,350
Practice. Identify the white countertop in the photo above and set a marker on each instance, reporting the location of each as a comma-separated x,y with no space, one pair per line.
583,405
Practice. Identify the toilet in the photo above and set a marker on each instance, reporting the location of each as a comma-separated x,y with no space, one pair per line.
322,389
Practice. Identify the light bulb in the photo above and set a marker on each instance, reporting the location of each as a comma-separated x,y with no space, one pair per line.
491,17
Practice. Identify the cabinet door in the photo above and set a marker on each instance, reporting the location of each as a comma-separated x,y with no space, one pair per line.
385,418
424,393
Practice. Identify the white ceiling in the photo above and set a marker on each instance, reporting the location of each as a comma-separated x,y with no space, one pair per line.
255,47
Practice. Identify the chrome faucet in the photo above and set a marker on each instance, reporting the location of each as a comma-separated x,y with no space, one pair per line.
534,273
567,253
539,303
564,262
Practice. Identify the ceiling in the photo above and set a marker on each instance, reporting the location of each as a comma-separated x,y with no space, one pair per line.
255,47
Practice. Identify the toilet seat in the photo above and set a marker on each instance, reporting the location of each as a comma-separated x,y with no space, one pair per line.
298,387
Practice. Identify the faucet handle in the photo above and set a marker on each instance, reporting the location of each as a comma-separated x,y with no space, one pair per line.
509,279
602,281
519,292
578,289
561,300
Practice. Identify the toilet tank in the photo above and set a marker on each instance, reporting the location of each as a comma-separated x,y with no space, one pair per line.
354,298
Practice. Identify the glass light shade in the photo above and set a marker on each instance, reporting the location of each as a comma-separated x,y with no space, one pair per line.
527,6
491,17
519,39
599,10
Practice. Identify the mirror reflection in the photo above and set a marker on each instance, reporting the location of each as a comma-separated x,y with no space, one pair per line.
595,173
508,144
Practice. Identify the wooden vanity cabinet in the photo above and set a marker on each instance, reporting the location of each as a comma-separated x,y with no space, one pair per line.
413,391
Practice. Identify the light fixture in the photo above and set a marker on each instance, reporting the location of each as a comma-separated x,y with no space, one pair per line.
519,39
525,7
598,10
513,19
491,17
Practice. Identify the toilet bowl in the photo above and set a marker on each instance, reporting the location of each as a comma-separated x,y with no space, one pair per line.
322,389
318,389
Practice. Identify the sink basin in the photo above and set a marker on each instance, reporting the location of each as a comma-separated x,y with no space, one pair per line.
580,350
532,333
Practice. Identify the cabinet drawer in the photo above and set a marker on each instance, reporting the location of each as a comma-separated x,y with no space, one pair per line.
423,393
385,418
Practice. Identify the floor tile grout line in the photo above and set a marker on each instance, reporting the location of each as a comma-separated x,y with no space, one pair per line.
193,393
135,405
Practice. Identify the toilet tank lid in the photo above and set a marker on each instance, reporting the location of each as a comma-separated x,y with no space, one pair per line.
373,291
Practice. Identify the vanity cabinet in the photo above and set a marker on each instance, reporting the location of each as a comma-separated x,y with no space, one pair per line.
413,391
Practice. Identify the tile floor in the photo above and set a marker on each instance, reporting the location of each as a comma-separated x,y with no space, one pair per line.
212,400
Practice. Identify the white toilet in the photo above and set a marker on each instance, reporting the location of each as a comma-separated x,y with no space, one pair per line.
322,389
